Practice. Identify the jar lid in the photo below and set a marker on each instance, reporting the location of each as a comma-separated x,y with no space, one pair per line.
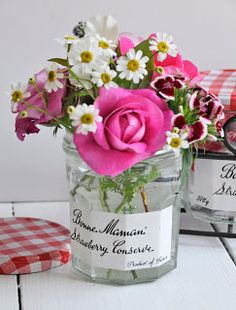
230,134
221,83
30,245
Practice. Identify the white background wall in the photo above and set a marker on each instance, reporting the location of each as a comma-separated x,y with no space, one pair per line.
204,31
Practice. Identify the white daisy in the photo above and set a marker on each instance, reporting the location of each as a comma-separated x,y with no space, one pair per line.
85,53
83,78
54,75
68,39
103,77
105,26
18,93
84,117
163,44
132,66
106,46
176,141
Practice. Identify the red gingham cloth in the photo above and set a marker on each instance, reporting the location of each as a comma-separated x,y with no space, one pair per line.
30,245
222,83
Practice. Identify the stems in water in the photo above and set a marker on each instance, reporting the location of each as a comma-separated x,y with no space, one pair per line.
144,198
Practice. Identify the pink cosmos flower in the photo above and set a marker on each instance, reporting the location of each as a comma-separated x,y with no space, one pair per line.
134,127
54,107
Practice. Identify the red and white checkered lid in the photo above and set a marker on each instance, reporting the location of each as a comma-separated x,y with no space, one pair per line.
222,83
31,245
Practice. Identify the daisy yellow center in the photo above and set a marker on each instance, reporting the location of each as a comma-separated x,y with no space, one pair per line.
133,65
105,77
86,56
52,76
175,142
163,47
17,95
87,118
103,44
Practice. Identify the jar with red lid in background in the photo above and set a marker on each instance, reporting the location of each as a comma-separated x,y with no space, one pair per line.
211,189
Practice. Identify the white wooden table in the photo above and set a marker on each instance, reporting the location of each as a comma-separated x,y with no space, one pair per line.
205,278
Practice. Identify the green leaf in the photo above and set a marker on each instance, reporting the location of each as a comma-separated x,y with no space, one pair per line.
108,184
146,81
187,161
55,130
122,82
61,61
130,182
144,47
69,100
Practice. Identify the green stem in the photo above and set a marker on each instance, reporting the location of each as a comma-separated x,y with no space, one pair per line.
121,206
134,274
84,178
109,273
46,113
75,76
102,199
40,94
144,198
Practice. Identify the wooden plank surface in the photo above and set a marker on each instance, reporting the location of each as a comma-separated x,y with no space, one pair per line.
5,209
205,279
54,211
229,243
8,284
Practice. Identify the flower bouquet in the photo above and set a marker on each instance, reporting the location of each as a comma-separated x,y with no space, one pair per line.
132,108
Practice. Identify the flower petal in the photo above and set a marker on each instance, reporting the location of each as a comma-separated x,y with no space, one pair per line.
118,160
197,131
167,93
178,121
125,44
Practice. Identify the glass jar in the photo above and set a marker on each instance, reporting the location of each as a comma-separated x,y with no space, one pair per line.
124,229
210,191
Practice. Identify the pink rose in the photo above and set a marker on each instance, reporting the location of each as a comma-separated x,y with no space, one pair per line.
133,128
54,107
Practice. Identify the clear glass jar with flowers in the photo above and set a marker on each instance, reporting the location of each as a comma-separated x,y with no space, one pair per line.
131,110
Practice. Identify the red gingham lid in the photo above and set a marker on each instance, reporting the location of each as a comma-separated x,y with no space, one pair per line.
30,245
222,83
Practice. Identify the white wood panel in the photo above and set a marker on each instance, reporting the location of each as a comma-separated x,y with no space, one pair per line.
205,279
8,285
8,293
5,209
230,243
54,211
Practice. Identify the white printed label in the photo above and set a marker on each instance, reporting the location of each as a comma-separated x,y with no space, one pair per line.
121,241
214,184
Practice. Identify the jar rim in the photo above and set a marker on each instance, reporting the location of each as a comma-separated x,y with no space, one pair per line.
160,155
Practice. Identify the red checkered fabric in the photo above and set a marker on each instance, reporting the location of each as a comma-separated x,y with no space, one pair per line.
222,83
30,245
